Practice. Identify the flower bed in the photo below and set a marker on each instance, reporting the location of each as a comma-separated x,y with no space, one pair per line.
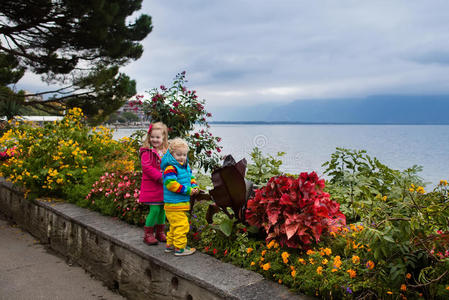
368,232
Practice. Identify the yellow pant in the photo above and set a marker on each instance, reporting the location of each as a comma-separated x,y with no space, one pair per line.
179,227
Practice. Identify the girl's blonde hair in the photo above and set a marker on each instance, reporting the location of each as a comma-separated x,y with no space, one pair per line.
157,126
177,143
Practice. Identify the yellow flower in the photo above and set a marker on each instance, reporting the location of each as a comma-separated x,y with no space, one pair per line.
355,259
270,244
301,261
328,251
249,250
59,180
420,190
319,270
408,276
390,293
261,258
403,287
411,190
351,273
311,261
253,263
293,273
412,185
384,198
443,182
266,266
324,261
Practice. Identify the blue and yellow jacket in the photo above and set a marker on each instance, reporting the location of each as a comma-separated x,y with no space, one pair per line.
178,183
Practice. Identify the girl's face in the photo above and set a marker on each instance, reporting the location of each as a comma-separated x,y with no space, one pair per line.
180,155
156,138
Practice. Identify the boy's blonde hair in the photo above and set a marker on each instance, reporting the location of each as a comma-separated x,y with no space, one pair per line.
177,143
157,126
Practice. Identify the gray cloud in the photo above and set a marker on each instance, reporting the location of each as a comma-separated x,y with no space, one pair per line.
252,52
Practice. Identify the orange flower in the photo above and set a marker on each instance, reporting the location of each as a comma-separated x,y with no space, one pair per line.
253,263
311,261
447,288
337,262
351,273
355,246
324,261
263,252
370,265
319,270
403,287
390,293
249,250
301,261
280,281
408,276
334,270
355,260
266,266
328,251
293,273
310,252
285,256
270,244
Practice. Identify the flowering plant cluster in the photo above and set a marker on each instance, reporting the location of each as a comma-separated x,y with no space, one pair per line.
117,194
8,153
294,211
180,109
58,158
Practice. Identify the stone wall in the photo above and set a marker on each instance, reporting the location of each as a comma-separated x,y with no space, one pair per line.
113,252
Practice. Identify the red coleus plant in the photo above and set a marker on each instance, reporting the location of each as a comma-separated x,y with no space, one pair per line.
294,211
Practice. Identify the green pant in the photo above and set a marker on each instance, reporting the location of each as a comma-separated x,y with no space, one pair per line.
156,216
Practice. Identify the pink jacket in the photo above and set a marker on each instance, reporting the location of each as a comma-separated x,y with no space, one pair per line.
151,191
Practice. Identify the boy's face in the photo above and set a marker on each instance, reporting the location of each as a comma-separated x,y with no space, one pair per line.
180,155
156,138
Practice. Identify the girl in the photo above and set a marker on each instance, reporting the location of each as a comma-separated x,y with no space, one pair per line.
151,191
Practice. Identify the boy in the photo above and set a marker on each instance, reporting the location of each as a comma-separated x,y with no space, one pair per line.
178,184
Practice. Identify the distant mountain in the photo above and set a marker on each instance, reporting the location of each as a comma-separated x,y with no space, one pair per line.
380,109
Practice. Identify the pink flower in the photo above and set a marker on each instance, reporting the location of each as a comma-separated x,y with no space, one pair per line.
127,195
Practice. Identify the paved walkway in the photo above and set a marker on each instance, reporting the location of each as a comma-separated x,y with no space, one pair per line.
29,271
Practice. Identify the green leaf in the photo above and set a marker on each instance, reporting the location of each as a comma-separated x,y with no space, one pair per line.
226,226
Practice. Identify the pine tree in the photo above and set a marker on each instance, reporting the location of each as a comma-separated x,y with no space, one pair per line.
76,45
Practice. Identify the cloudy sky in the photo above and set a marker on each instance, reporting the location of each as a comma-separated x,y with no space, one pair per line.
252,52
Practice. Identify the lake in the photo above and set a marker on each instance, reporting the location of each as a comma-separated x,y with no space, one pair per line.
307,147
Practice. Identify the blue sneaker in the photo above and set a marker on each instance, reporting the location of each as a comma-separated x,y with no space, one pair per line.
184,251
169,248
